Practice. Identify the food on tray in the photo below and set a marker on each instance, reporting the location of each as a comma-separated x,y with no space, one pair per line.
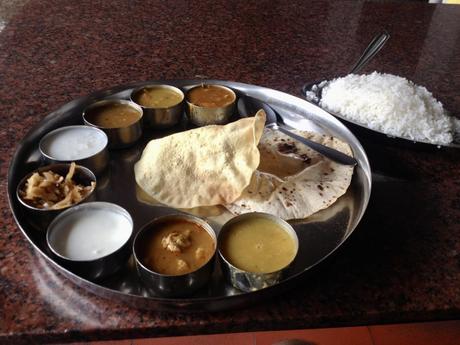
158,97
258,244
176,247
73,143
113,115
390,104
90,233
211,96
201,167
292,180
48,190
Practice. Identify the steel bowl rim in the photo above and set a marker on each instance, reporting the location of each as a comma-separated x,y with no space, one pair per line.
112,101
88,172
96,205
158,86
62,129
284,224
212,84
158,220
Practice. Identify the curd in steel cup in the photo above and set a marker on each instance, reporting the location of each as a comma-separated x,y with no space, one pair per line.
84,145
92,240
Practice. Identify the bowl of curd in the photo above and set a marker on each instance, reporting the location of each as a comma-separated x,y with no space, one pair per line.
84,145
91,239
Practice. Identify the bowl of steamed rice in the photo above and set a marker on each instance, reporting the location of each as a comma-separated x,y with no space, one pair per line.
387,104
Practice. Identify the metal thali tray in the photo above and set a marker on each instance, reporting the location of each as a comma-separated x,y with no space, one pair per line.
319,235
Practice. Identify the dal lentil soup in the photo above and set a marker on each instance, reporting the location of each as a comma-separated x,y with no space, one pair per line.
176,247
258,245
113,115
158,97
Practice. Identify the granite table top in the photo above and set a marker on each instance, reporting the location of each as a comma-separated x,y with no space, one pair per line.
402,263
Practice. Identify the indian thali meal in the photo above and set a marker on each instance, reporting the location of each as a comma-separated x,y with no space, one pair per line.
48,190
259,175
390,104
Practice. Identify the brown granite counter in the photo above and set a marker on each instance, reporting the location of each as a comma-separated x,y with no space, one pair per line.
402,263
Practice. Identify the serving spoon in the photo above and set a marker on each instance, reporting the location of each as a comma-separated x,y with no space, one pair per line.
248,106
316,88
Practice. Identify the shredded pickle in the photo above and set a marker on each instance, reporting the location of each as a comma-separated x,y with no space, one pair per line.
48,190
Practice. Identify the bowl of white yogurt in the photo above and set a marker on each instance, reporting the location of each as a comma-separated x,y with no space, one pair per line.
84,145
91,239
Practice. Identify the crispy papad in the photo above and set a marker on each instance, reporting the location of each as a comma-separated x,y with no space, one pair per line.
205,166
292,180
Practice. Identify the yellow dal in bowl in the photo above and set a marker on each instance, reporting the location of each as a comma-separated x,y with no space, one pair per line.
258,245
158,97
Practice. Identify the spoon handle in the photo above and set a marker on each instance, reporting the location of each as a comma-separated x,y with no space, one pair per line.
326,151
372,49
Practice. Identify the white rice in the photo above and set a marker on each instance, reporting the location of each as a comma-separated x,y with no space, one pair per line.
389,104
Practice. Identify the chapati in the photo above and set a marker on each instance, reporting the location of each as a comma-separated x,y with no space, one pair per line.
292,180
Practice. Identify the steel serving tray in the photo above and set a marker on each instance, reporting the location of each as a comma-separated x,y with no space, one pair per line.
319,235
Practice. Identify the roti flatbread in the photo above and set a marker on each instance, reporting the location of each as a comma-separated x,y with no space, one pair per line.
205,166
292,180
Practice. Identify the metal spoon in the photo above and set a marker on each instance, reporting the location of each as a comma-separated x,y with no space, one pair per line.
248,106
372,49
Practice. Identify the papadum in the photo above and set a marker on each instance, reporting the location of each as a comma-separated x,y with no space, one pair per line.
205,166
292,180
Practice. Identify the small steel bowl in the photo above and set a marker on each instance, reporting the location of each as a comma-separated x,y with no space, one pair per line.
251,281
91,268
203,116
43,216
96,161
172,285
160,117
119,137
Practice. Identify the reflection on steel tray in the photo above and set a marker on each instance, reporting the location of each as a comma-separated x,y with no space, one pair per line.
319,235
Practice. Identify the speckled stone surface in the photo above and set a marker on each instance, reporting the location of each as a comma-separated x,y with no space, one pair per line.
403,261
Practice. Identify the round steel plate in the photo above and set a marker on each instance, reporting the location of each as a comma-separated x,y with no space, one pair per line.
319,235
